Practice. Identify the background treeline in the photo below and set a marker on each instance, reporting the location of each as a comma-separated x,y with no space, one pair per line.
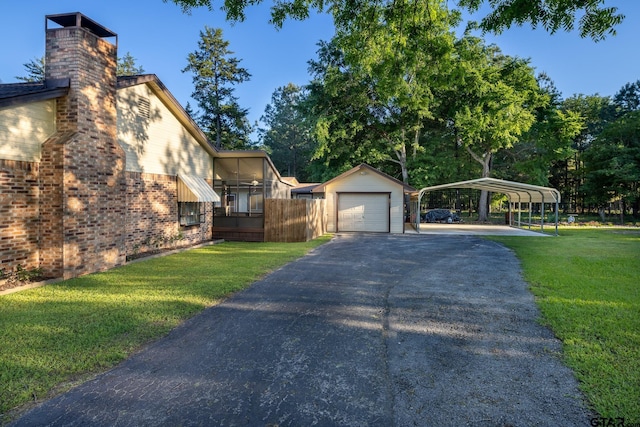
397,88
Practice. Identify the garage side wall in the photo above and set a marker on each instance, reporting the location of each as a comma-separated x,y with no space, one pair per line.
365,183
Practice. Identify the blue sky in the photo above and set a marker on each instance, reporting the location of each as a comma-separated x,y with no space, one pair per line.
160,36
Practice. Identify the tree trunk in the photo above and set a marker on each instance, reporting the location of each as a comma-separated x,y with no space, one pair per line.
485,161
218,132
403,166
401,155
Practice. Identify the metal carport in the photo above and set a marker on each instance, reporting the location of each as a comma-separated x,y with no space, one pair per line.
517,192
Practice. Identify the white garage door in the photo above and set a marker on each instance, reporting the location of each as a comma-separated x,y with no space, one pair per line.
363,212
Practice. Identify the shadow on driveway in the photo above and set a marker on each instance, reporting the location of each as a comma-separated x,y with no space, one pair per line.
365,330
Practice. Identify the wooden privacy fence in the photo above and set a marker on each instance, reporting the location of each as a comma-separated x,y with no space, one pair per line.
294,220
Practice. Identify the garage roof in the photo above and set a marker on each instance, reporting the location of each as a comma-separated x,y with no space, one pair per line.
517,191
363,168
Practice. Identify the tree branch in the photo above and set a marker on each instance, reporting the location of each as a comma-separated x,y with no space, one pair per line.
474,155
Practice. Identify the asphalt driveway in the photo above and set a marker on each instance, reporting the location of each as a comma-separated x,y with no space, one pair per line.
366,330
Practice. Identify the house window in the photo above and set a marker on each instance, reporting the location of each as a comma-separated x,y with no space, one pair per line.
255,202
191,213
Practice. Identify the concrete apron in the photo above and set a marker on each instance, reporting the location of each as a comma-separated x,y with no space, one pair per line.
474,230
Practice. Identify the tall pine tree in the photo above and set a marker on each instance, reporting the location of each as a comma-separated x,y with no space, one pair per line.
215,74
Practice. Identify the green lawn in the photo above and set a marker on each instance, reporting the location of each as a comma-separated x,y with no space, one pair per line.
587,285
54,336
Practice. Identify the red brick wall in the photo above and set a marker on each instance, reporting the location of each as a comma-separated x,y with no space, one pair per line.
152,215
152,211
19,215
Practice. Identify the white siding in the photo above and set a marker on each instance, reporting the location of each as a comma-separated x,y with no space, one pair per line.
23,129
156,142
370,182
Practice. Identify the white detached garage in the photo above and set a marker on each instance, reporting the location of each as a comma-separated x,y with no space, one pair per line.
366,200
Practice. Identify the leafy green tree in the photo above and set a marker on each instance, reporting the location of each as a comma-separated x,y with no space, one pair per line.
595,111
612,163
627,98
594,19
608,163
547,144
337,104
491,102
288,135
215,74
376,85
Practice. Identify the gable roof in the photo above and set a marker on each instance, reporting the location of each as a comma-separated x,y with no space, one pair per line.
363,166
23,93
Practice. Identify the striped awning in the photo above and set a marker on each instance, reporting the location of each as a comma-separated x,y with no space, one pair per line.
195,189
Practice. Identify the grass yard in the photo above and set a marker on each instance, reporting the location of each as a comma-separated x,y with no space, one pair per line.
587,285
55,336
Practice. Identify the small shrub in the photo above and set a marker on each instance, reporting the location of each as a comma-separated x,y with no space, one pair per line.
24,275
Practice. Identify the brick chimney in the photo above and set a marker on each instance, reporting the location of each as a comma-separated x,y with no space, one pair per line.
83,184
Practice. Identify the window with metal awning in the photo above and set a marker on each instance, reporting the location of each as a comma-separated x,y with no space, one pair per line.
195,189
193,193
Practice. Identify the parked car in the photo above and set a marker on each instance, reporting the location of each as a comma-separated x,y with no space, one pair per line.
441,215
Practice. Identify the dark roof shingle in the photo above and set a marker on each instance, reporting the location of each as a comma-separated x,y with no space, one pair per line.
22,93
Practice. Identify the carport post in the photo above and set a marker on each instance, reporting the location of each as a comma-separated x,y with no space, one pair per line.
557,205
519,211
530,207
418,211
542,213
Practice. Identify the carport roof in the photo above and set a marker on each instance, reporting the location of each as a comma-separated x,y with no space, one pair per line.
517,191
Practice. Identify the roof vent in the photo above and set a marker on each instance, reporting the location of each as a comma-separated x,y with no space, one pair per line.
78,20
144,107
